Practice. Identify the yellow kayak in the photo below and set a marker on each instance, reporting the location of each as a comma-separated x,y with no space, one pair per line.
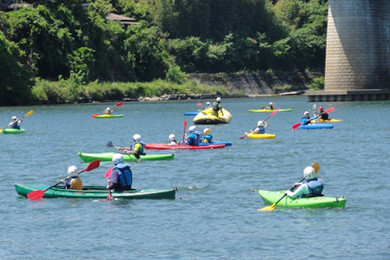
206,117
260,136
328,121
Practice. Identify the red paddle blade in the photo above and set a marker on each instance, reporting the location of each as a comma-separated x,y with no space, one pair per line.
93,116
199,104
109,196
93,165
119,104
36,195
329,110
242,137
185,123
108,173
296,126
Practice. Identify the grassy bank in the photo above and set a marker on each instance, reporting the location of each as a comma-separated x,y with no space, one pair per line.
65,91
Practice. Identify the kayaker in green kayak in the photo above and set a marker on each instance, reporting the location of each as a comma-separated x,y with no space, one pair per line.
73,181
138,147
108,111
311,186
15,123
121,177
206,137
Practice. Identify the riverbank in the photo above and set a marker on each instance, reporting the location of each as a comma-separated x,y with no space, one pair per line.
197,86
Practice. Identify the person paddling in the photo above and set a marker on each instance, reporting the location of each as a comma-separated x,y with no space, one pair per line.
306,118
270,106
260,129
217,107
322,115
310,186
73,182
206,137
108,111
15,123
172,140
194,137
138,147
121,177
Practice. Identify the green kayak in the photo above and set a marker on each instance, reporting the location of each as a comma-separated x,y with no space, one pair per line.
107,116
106,157
13,131
95,192
271,197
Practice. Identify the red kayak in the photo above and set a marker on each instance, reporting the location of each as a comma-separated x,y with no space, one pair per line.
181,146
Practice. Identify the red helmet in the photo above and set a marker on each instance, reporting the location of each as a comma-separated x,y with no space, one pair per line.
320,108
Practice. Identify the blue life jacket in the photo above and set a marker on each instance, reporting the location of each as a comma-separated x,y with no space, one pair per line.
193,139
261,130
15,125
315,186
206,139
125,174
305,121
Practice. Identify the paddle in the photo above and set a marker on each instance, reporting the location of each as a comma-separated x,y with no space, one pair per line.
108,173
38,194
184,132
316,167
273,113
299,124
117,105
110,144
29,113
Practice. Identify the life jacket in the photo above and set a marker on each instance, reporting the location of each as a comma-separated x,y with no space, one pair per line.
141,150
15,125
260,130
125,174
216,107
193,139
315,186
206,139
73,183
305,121
324,116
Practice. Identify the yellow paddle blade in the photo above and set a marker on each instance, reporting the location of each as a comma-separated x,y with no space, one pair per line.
29,113
1,130
316,167
268,208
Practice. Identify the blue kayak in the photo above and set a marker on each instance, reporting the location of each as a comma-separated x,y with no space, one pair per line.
191,113
225,143
319,126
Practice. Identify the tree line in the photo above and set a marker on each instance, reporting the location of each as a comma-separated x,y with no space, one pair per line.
64,41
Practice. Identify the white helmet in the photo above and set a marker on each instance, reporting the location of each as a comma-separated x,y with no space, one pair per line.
260,123
14,118
192,129
137,137
306,113
72,170
207,103
270,103
108,108
206,130
218,99
309,173
117,158
171,137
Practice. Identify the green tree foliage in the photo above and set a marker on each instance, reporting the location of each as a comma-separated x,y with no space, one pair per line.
15,80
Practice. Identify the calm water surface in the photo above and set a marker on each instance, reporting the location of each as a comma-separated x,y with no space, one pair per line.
214,214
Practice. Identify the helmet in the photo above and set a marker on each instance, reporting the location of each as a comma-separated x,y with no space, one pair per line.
117,158
270,103
192,128
309,173
320,108
72,170
207,103
14,118
171,137
206,130
260,123
136,137
218,99
108,108
306,113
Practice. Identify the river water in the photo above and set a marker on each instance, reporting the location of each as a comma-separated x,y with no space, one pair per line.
215,213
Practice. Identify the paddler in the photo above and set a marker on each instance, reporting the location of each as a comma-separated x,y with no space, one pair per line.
194,137
270,106
121,177
217,107
206,137
322,115
108,111
261,126
311,186
172,140
306,118
15,123
138,147
73,182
